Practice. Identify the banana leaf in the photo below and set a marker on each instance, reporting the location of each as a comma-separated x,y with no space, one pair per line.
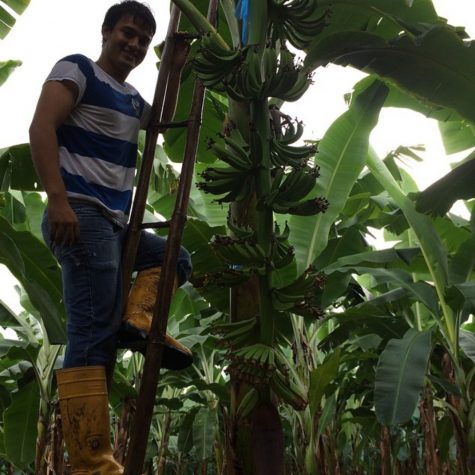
400,375
403,99
438,53
196,238
432,248
383,17
6,68
20,422
7,20
395,278
439,197
16,169
341,158
385,257
321,377
204,428
32,264
467,343
185,434
457,135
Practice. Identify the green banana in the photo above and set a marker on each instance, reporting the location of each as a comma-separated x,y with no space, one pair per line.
232,329
269,64
219,186
253,60
297,185
238,149
283,256
229,278
298,89
238,231
298,21
230,156
239,252
292,133
305,208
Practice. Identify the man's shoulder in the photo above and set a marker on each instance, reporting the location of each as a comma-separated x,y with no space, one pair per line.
78,59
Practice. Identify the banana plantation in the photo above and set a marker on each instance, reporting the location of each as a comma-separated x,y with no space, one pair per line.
314,351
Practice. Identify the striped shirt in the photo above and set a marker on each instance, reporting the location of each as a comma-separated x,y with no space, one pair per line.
98,141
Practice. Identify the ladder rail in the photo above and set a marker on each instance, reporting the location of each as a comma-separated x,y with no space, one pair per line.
151,137
153,358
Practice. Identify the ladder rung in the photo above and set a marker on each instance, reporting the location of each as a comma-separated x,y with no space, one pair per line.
158,225
173,125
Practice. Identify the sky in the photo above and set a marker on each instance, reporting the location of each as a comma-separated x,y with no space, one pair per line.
51,29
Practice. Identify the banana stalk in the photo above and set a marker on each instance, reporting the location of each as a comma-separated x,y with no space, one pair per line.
261,155
198,20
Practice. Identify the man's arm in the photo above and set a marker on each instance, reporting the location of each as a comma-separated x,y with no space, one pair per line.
56,102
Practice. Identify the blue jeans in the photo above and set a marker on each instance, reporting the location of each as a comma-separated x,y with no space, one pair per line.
92,282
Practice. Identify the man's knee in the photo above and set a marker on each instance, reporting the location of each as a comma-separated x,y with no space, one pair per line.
184,266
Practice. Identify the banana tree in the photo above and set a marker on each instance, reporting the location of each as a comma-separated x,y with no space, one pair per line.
247,75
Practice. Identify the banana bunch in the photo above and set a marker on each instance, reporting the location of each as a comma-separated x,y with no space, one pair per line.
288,189
282,77
234,185
247,80
304,208
242,252
289,85
282,254
260,365
238,231
235,334
213,62
255,364
295,294
233,152
283,154
266,73
289,389
227,278
298,21
292,133
236,181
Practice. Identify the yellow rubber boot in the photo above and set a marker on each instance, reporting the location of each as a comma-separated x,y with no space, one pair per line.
138,317
85,419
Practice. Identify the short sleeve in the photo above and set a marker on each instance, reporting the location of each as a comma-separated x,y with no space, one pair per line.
66,70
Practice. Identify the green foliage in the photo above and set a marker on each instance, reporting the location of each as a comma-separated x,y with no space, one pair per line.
20,426
400,377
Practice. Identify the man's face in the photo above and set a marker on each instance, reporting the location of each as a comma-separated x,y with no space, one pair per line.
126,44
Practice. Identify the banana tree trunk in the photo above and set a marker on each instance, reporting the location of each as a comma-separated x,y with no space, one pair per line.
162,456
57,442
430,433
459,432
385,448
123,429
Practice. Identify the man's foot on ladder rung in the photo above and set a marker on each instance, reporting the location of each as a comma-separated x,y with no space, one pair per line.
175,355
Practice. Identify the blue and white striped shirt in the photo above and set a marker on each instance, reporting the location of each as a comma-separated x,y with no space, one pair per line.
98,141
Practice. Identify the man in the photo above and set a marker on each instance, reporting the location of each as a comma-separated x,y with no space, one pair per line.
84,145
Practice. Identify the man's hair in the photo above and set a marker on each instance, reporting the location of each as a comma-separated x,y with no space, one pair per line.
135,9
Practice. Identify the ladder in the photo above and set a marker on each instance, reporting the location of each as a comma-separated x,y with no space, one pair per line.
153,359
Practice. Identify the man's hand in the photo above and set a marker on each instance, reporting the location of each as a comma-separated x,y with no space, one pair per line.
63,222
